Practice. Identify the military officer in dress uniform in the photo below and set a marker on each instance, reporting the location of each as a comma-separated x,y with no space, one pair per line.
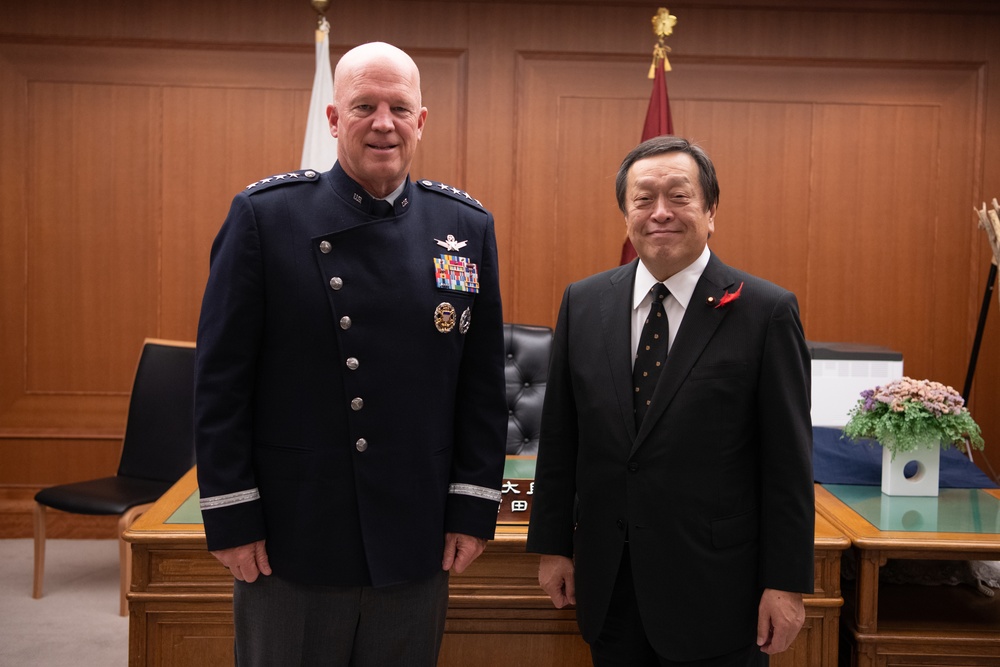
350,410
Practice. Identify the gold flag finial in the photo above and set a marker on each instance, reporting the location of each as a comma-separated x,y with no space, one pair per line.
663,27
322,25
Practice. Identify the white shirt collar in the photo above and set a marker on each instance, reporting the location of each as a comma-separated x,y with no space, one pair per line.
391,197
681,284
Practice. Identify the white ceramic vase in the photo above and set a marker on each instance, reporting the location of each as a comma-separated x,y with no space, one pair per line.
924,481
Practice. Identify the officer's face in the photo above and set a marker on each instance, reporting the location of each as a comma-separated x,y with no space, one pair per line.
377,120
665,212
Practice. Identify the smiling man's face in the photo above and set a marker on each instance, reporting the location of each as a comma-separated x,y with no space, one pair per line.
377,118
665,213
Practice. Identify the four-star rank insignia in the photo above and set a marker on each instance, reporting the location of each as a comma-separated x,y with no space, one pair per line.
450,191
303,175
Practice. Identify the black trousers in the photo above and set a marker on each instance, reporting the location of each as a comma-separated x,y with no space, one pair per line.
282,623
623,641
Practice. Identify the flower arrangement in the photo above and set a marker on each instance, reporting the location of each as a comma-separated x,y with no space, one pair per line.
906,414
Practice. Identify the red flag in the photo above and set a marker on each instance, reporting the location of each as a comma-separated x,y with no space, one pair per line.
658,122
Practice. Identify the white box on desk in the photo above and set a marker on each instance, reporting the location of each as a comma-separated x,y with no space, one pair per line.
841,371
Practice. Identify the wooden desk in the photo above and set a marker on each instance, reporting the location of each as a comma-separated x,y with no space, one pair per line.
914,624
180,602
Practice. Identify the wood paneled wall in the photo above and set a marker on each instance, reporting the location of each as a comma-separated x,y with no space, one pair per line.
852,141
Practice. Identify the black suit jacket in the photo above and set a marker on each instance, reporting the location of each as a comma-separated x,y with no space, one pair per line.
338,416
714,492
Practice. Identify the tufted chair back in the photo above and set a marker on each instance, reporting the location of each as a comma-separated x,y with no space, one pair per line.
526,371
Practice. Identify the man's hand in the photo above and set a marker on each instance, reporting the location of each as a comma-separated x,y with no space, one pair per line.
245,562
460,550
555,576
779,618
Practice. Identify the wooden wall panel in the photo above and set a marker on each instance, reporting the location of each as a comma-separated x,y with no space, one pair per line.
852,139
888,242
578,119
13,212
92,252
589,227
56,460
764,164
875,264
444,84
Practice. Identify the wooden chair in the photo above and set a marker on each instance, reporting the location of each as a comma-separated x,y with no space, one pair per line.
157,450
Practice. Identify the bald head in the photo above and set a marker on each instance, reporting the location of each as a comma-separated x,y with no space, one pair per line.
379,55
377,115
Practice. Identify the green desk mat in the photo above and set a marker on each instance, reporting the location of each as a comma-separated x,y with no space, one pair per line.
953,511
189,512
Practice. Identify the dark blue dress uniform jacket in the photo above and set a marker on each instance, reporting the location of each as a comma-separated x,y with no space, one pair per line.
349,404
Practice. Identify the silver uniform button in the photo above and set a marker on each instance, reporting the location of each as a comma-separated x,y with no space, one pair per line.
336,282
345,323
357,404
352,363
361,445
325,247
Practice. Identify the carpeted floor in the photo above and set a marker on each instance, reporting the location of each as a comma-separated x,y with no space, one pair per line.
76,622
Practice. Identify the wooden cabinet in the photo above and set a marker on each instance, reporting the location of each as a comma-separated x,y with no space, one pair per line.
180,602
899,624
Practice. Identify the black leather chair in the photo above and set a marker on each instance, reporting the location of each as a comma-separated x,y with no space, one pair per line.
526,372
157,450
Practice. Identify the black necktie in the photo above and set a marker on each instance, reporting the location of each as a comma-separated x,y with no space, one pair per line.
651,354
381,208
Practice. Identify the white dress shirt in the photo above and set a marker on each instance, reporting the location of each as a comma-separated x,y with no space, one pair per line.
681,286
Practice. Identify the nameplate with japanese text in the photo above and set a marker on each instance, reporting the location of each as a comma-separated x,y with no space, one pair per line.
517,489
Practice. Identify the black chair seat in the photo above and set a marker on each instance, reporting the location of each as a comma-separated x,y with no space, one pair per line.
104,496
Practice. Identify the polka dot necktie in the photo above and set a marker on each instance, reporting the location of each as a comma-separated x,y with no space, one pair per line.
651,354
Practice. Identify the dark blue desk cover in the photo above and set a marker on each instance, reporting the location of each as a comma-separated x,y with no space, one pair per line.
843,461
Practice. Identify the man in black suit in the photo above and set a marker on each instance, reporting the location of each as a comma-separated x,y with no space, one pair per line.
350,403
677,513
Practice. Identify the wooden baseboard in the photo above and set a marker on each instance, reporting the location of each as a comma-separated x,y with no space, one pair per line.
17,506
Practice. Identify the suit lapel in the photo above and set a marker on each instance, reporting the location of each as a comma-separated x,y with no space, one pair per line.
696,330
616,327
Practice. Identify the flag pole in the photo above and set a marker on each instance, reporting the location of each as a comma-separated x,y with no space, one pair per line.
989,221
658,119
319,150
